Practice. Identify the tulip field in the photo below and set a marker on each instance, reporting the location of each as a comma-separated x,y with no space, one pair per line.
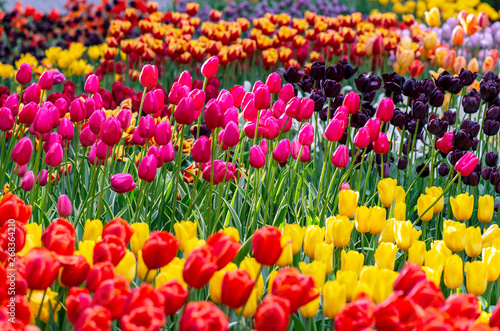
250,165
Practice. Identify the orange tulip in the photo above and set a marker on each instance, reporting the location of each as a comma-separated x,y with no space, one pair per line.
457,36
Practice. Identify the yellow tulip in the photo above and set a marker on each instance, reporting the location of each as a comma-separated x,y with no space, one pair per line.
296,232
435,261
310,309
49,305
351,260
139,237
185,230
473,242
388,234
92,230
454,235
386,190
316,270
492,259
35,230
324,252
250,305
313,235
378,220
86,249
453,272
363,219
142,270
28,245
423,203
350,280
433,17
400,211
173,270
488,237
484,318
348,200
338,230
399,194
476,277
232,232
462,206
253,267
416,253
435,192
363,288
215,283
286,257
439,246
126,267
432,275
385,255
334,298
405,234
385,284
485,208
191,244
369,275
430,40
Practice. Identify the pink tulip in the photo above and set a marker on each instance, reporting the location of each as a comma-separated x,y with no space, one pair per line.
53,138
257,157
103,151
273,82
231,115
92,84
6,119
149,75
220,172
124,117
305,155
286,93
345,186
122,183
137,139
279,108
66,129
12,102
467,163
262,98
32,93
198,97
147,168
445,143
306,135
21,154
334,130
381,145
64,207
90,108
210,67
185,79
185,111
54,116
98,102
249,129
213,114
177,92
87,138
285,123
20,170
58,77
231,135
225,100
362,138
373,126
293,108
163,133
249,111
264,146
54,156
168,152
96,121
272,128
201,150
62,105
385,110
306,109
237,92
24,74
42,178
77,111
27,113
111,131
258,84
282,151
46,80
352,101
340,157
43,121
27,181
149,106
147,127
155,151
249,96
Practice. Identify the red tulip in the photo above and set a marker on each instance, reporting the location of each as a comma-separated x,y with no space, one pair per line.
282,151
352,102
96,318
273,314
410,275
42,268
149,75
175,295
203,315
59,237
74,270
462,306
77,300
143,310
467,163
340,157
11,207
237,287
13,234
210,67
98,274
266,245
160,248
112,294
427,294
385,110
201,264
398,313
225,248
381,145
120,228
299,289
357,315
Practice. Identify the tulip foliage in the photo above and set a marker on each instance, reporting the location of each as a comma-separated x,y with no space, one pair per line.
190,196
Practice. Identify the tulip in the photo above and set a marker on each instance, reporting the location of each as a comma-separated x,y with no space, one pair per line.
385,255
423,203
201,150
54,156
334,130
315,269
43,122
338,230
363,219
87,138
92,84
352,102
231,135
149,75
32,94
163,133
454,235
334,298
405,234
64,207
272,314
485,210
362,138
185,111
77,110
225,248
476,277
453,272
24,74
6,119
200,315
59,237
306,135
296,233
147,127
382,144
21,153
257,158
340,157
96,120
262,98
282,151
175,295
306,109
159,249
66,129
462,206
122,183
385,110
147,168
473,241
236,288
348,200
28,113
466,164
200,266
298,288
351,261
27,181
386,191
110,248
266,245
46,80
124,117
41,267
74,270
416,252
435,192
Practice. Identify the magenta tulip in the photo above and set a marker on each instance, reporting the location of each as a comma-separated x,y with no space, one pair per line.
27,181
64,207
91,84
385,110
334,130
87,138
24,74
340,157
54,156
273,82
185,111
46,80
124,117
352,101
168,152
306,135
147,127
213,114
231,135
77,111
147,168
122,183
362,138
257,158
111,131
282,151
201,150
185,79
149,75
6,119
21,154
286,93
66,129
262,98
43,121
210,67
32,94
12,102
373,126
96,120
467,163
306,109
238,93
163,133
381,145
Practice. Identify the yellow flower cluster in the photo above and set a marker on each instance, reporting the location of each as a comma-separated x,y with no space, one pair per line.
69,59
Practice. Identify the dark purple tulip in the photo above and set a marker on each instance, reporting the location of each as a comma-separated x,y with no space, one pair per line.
443,170
491,159
402,163
471,102
437,127
436,97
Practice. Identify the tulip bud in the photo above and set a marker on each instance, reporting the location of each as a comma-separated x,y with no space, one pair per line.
111,132
27,181
62,105
77,110
124,117
238,93
28,113
273,82
262,98
32,93
24,74
334,130
282,151
122,183
306,109
87,138
185,111
149,75
201,150
362,138
92,84
385,110
210,67
148,105
257,157
352,101
54,156
381,145
64,207
231,135
147,127
168,152
185,79
6,119
147,168
466,164
163,133
46,80
340,157
96,120
43,121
